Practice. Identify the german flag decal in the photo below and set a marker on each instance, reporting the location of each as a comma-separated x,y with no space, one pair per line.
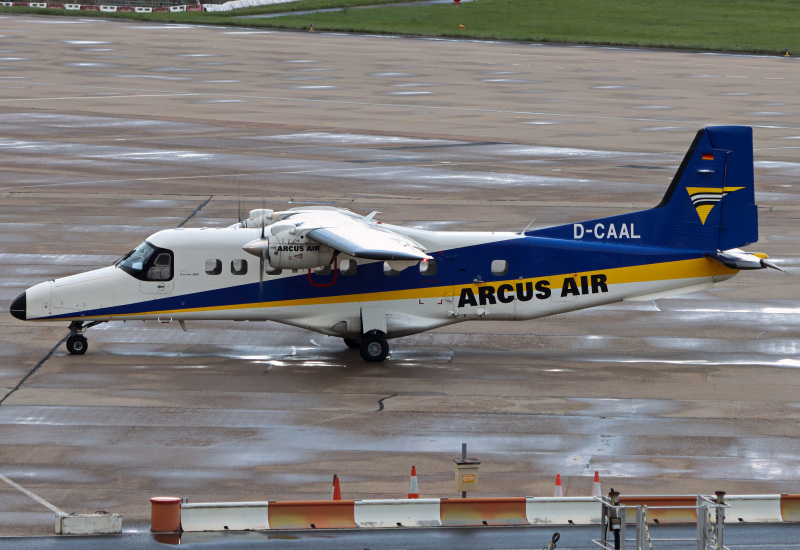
705,198
708,156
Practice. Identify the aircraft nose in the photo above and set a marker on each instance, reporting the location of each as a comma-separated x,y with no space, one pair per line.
19,307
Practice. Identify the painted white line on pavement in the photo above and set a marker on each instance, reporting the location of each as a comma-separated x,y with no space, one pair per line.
38,499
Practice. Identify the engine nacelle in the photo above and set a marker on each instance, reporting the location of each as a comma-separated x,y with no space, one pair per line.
296,253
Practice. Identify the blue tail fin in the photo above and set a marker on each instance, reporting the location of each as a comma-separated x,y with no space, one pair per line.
709,206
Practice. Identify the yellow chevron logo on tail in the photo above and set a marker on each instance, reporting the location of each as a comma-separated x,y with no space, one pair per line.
705,198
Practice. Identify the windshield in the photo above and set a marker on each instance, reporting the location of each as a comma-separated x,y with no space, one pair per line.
147,263
135,259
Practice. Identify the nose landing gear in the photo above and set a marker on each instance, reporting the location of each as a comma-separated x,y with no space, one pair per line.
77,343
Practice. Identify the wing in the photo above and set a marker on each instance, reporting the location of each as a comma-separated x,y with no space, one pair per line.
360,237
368,243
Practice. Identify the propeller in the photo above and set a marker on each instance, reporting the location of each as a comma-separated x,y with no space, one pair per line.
263,257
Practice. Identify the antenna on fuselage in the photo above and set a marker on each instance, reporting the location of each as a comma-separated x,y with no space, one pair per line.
239,196
527,226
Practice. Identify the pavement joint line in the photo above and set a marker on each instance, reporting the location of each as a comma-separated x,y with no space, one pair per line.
35,497
197,211
380,401
34,369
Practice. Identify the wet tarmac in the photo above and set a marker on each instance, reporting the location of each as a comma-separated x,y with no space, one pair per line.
572,537
110,131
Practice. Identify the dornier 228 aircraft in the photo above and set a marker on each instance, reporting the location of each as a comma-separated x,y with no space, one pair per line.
338,273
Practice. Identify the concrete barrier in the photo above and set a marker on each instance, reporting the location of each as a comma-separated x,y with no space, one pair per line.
660,509
312,514
225,516
753,508
483,511
790,507
111,9
563,511
72,6
144,10
423,512
100,523
387,513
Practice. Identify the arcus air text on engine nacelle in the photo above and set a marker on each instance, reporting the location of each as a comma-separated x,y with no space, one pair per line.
287,250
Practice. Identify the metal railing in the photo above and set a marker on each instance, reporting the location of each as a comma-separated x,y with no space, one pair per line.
614,515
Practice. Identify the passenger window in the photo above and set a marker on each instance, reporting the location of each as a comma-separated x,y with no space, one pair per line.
161,270
213,267
427,267
238,267
499,267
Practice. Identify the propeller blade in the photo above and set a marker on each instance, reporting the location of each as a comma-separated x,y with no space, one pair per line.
261,277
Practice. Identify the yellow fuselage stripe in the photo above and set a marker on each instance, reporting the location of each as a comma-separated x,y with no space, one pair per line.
683,269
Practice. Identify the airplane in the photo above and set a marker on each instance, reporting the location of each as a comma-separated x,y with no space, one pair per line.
346,275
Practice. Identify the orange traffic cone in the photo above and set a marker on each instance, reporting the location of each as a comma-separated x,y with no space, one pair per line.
337,491
413,488
559,491
596,491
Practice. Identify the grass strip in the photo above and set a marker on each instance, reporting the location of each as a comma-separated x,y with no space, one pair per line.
766,26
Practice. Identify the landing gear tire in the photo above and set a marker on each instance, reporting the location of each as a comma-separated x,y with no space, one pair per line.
374,347
352,343
77,344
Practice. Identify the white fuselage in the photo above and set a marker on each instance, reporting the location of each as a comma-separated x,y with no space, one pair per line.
476,276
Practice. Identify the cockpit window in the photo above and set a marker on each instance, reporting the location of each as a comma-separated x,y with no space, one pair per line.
137,257
147,263
161,270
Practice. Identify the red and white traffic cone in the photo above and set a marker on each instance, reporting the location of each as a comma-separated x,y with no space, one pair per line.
596,491
337,491
559,492
413,488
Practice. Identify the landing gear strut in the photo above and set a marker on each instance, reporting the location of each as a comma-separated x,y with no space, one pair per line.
374,347
77,343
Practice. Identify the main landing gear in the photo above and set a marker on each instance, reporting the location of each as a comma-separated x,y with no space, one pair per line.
373,346
77,343
352,343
